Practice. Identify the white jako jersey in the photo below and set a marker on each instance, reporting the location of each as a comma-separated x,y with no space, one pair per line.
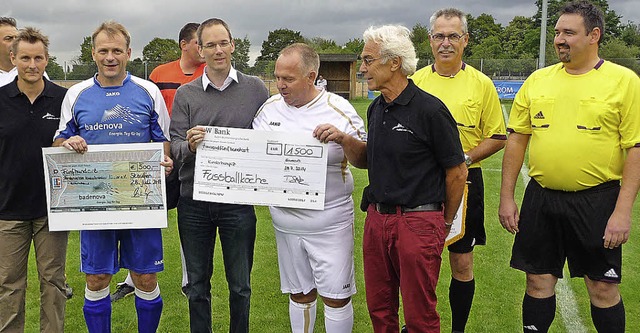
276,115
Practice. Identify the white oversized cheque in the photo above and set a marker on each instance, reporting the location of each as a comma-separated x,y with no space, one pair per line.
242,166
116,186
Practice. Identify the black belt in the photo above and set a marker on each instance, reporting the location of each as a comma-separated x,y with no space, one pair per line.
392,209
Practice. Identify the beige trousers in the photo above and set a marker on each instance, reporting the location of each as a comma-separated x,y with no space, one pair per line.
51,252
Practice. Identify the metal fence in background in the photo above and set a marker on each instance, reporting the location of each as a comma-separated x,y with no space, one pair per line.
520,69
84,71
496,69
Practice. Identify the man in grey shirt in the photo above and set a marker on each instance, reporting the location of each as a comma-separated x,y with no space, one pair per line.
228,98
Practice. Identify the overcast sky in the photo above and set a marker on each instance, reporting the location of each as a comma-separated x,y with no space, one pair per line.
67,22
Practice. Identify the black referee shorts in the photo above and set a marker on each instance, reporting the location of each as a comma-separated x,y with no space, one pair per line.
474,233
558,225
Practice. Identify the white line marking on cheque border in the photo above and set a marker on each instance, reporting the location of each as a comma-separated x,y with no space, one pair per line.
566,299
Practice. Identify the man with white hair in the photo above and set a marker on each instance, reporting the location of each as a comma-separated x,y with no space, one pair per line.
416,181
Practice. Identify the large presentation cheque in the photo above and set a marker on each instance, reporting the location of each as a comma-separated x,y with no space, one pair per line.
108,187
242,166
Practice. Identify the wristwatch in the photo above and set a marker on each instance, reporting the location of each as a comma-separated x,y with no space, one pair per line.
467,160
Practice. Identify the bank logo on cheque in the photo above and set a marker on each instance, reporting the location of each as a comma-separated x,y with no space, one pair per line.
57,182
117,112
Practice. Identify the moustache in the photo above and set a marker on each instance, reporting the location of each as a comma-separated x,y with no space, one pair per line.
563,45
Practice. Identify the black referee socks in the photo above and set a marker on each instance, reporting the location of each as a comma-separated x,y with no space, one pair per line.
460,299
538,313
608,320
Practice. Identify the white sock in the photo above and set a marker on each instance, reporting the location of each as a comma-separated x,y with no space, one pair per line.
148,295
128,280
302,316
96,295
338,320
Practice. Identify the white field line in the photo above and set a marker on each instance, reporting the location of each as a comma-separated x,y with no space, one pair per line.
565,298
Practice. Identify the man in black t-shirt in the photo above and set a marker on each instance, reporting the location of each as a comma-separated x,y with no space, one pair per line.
29,116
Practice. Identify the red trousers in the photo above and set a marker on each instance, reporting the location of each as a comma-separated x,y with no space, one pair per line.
402,253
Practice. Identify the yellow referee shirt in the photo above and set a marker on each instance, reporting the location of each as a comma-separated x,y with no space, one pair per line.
580,125
471,98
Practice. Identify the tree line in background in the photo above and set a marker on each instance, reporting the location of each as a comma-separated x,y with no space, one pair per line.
496,50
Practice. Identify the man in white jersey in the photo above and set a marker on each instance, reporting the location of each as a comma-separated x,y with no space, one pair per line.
315,248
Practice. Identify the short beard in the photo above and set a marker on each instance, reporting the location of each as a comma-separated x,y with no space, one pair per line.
564,56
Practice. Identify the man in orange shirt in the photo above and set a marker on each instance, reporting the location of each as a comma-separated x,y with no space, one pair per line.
170,76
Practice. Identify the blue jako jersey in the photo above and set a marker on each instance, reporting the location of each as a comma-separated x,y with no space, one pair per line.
131,113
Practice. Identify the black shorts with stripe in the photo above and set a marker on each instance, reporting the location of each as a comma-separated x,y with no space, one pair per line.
558,225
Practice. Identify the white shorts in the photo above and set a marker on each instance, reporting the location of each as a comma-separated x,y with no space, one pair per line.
320,261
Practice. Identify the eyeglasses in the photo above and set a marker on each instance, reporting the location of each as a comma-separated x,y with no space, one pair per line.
368,61
453,38
223,45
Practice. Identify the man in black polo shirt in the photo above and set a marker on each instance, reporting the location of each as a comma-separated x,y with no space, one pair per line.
29,116
417,176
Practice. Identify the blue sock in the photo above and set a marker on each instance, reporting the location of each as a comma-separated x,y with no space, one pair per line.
97,315
149,312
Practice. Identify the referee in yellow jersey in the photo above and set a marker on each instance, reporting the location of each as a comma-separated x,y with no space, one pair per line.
581,120
473,101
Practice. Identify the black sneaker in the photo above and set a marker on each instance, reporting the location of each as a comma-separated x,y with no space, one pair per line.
123,290
68,291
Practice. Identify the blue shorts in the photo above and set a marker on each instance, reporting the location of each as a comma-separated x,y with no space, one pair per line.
140,251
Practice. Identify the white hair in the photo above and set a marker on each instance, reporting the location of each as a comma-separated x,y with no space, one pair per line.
394,41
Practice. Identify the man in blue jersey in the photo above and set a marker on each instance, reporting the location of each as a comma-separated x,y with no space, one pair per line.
115,107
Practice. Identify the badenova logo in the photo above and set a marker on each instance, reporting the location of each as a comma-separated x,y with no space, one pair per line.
120,113
99,127
115,119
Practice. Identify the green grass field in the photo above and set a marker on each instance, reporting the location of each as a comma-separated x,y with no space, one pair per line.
499,288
